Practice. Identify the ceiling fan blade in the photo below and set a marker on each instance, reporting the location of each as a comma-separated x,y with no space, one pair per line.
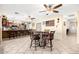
50,6
33,18
55,11
42,11
57,6
45,6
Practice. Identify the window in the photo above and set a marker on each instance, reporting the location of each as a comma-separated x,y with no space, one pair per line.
50,23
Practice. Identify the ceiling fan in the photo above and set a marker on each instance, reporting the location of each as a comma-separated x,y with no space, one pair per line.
31,18
51,8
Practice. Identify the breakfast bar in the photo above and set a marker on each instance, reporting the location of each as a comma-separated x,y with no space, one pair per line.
14,33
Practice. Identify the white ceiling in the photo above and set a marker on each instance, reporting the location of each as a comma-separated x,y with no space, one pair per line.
33,9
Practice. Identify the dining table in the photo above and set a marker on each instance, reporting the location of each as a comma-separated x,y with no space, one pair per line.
43,37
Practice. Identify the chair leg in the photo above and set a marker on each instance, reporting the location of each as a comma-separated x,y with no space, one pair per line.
44,43
35,45
31,43
39,42
51,45
35,42
9,37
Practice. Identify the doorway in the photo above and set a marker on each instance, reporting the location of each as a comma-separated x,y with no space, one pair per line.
72,26
38,27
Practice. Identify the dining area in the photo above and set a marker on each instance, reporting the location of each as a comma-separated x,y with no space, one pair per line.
42,39
30,33
37,39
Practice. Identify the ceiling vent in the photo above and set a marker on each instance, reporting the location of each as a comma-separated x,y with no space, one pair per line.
16,12
71,15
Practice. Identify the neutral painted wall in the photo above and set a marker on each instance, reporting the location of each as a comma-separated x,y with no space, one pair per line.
77,15
0,29
59,28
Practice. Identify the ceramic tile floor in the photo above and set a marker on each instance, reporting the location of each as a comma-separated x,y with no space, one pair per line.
22,46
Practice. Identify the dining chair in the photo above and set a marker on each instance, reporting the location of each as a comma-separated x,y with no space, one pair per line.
35,39
44,39
48,37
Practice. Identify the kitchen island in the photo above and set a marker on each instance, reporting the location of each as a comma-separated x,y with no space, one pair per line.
14,33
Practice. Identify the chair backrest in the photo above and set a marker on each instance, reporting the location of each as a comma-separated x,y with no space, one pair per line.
34,35
52,31
52,35
31,34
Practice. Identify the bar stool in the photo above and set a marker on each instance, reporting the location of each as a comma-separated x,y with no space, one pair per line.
11,34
